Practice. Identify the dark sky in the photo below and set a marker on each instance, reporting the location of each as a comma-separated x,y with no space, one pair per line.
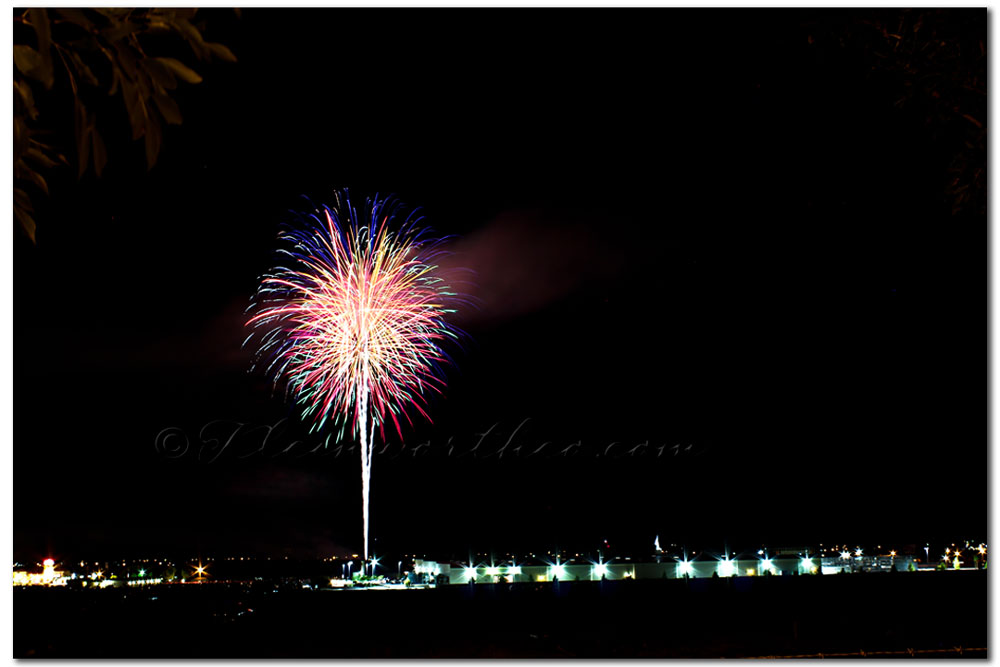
715,231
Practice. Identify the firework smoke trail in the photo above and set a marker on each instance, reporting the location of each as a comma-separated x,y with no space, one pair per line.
353,321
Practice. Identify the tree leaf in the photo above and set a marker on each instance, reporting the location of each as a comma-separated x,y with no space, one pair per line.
40,22
191,34
26,59
126,59
27,99
135,107
118,30
168,107
160,74
186,13
220,51
181,70
82,69
22,199
144,85
100,153
27,222
76,16
20,137
152,142
40,158
81,128
29,174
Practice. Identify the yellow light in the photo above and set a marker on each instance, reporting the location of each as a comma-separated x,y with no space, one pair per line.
892,553
750,572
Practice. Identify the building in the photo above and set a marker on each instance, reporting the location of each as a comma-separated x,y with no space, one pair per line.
49,576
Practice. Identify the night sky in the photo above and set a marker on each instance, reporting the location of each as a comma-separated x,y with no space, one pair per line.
715,231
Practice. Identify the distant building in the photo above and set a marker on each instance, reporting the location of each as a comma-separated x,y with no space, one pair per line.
49,576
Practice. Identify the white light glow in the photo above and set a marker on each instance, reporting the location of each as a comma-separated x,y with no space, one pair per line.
600,570
559,571
685,567
726,568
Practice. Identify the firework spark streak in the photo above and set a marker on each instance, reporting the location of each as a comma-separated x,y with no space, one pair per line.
353,321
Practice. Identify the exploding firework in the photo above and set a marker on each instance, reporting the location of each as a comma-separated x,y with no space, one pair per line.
353,321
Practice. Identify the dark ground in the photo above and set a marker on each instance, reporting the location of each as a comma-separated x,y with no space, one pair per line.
741,617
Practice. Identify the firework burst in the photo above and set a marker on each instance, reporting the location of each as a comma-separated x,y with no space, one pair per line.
353,321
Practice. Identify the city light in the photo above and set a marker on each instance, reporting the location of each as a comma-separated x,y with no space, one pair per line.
858,552
514,569
600,570
726,568
559,571
492,571
470,572
767,565
845,555
685,568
